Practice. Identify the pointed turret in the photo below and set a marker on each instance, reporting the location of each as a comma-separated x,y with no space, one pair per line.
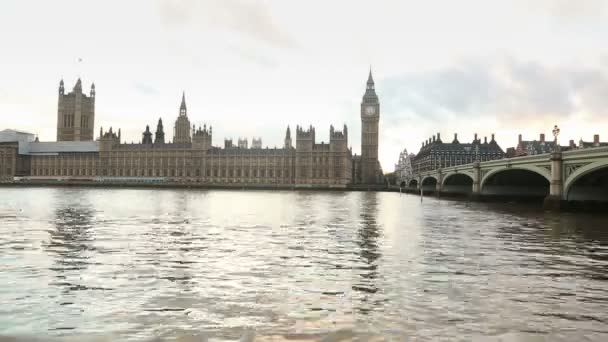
92,90
160,133
288,138
78,86
370,90
182,108
61,87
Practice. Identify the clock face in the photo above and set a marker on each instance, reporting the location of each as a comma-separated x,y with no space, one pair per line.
370,110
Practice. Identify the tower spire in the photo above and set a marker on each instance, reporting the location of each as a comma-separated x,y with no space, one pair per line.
370,78
182,107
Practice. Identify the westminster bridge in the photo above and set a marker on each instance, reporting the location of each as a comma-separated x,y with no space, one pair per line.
574,175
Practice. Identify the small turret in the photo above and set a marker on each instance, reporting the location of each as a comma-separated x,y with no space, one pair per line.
61,87
78,86
147,136
160,133
288,138
92,94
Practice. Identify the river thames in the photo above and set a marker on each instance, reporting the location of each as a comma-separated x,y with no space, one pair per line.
137,263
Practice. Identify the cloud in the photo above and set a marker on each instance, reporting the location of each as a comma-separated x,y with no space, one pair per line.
145,89
571,11
510,91
251,56
248,17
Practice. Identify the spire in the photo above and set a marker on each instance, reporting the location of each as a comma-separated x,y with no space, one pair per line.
61,87
288,134
370,90
92,89
182,107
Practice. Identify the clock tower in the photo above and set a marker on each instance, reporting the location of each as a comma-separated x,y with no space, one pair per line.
370,116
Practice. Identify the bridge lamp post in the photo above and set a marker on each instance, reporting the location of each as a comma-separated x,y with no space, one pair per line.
556,131
556,188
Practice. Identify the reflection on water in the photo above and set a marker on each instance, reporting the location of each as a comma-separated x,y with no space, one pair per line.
135,264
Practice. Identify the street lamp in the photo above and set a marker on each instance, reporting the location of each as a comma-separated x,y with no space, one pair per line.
555,134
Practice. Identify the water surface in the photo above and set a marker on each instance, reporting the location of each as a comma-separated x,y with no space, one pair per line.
135,264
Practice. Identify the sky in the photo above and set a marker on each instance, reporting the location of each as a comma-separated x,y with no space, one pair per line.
250,68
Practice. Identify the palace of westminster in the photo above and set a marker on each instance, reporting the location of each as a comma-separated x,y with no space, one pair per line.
191,157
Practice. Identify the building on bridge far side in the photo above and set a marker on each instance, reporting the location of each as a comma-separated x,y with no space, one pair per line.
543,146
435,154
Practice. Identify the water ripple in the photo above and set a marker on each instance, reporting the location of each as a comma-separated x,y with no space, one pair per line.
138,264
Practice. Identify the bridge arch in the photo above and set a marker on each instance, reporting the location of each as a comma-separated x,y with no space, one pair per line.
426,180
596,172
457,183
451,176
429,184
520,181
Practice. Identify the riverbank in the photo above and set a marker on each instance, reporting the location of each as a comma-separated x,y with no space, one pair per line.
172,185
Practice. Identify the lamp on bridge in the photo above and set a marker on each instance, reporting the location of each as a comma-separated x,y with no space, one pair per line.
555,134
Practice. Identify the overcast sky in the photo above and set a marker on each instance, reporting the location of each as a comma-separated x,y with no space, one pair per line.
250,68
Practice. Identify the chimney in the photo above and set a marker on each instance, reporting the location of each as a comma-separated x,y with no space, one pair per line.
438,136
433,138
542,137
519,140
485,140
572,145
493,137
596,140
475,139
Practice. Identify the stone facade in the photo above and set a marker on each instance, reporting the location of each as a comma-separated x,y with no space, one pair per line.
191,157
75,114
8,160
370,117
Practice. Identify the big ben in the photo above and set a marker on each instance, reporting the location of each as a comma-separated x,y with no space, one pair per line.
370,117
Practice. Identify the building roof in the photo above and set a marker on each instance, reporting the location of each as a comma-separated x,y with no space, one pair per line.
440,147
249,151
23,138
10,135
62,147
166,146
